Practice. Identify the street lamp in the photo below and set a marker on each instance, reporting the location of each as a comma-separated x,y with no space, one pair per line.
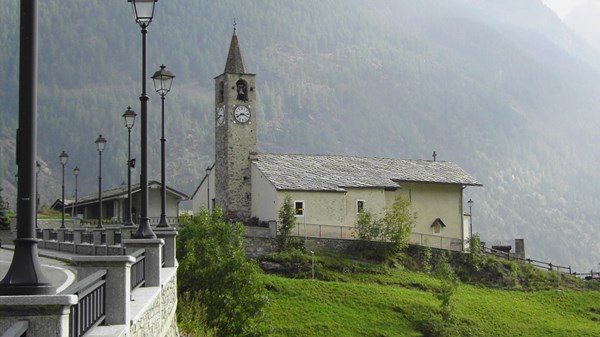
24,276
470,202
76,171
143,10
100,143
129,117
162,84
64,157
208,188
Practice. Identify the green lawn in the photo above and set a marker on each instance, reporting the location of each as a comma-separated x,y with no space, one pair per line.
400,303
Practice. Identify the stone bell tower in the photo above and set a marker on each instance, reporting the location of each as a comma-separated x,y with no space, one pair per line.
235,135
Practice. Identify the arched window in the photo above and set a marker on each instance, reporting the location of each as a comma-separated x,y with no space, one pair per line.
242,90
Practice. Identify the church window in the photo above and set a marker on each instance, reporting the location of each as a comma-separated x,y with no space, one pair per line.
299,207
242,90
221,97
360,206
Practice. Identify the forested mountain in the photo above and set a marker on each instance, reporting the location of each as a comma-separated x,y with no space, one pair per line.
503,88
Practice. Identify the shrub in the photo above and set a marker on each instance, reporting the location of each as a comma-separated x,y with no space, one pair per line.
287,220
215,271
395,226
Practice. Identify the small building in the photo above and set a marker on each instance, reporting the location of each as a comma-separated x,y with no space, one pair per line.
114,204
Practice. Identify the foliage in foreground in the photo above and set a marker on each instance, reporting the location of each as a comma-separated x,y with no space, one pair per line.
214,271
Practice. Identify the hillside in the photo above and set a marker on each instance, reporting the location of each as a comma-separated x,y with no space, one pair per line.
504,89
361,298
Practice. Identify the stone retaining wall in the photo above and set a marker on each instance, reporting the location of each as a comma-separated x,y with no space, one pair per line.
159,318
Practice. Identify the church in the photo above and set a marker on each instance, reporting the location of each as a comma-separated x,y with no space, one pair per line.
328,191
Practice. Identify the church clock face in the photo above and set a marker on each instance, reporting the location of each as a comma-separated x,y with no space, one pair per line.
220,115
241,113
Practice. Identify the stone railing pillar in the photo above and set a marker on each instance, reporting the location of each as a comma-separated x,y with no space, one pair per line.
48,315
77,235
60,234
169,236
110,235
153,248
46,234
118,283
273,228
97,236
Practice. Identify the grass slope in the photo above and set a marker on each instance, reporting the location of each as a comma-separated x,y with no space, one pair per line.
395,302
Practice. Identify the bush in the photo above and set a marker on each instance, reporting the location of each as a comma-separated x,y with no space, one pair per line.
214,269
395,226
287,221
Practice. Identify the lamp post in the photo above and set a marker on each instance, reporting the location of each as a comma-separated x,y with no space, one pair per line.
208,188
24,276
143,11
162,84
64,157
100,143
129,117
470,202
76,171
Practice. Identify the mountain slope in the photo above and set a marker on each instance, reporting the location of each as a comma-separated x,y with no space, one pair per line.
502,88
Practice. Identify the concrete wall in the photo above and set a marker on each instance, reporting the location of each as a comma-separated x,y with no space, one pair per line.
430,201
265,204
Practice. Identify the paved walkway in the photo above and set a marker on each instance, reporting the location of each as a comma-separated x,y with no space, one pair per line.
53,266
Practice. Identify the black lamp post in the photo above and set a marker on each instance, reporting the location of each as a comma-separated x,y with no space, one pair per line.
24,276
162,84
143,11
64,157
470,202
76,171
208,188
100,143
129,117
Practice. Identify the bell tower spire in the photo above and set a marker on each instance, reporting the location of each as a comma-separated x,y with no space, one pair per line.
235,135
235,62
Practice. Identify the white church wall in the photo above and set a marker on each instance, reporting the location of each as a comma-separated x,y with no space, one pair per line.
264,197
373,199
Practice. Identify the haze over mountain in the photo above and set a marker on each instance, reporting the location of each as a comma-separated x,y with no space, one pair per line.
503,88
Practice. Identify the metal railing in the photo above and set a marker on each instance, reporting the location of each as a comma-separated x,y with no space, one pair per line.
138,269
436,241
68,236
171,220
540,264
90,309
322,231
87,237
53,236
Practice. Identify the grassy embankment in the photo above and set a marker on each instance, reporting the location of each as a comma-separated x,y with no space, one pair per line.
352,298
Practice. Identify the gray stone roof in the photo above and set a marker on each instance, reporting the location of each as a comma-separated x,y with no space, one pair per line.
335,173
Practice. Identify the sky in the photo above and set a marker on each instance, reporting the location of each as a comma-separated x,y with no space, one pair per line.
562,7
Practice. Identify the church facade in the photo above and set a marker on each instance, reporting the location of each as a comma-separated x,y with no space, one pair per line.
328,190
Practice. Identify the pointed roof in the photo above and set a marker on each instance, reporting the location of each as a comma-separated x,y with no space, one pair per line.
235,62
